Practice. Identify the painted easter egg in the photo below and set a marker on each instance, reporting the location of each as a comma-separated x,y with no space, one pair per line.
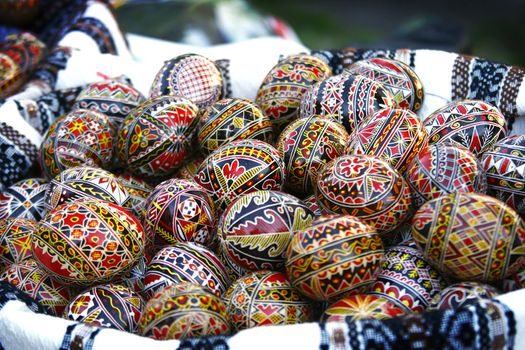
232,119
366,187
88,241
307,144
347,99
30,278
81,137
256,228
504,166
24,199
336,256
407,280
138,190
86,182
239,168
233,270
462,294
404,84
443,168
282,89
395,135
156,137
265,298
192,76
15,241
110,305
362,306
116,98
474,124
179,210
470,236
185,262
184,310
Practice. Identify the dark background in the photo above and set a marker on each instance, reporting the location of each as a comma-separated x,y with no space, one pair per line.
491,29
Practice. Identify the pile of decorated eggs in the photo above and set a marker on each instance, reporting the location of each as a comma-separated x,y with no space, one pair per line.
193,213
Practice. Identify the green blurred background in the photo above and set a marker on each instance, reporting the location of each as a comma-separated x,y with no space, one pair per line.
490,29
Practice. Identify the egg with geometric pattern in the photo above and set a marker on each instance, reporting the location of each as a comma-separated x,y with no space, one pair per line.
232,119
30,278
184,310
336,256
255,230
265,298
15,241
156,137
86,182
504,165
307,144
238,168
470,236
473,124
362,306
283,88
442,168
80,137
347,99
366,187
407,280
88,241
395,135
110,305
115,97
24,199
185,262
192,76
396,76
179,210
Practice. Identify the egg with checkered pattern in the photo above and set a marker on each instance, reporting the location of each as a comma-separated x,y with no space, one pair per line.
232,119
179,210
109,305
156,138
81,137
192,76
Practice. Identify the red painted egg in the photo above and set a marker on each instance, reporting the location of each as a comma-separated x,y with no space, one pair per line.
184,310
366,187
88,241
156,137
282,89
307,144
40,285
81,137
443,168
179,210
395,135
265,298
335,257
